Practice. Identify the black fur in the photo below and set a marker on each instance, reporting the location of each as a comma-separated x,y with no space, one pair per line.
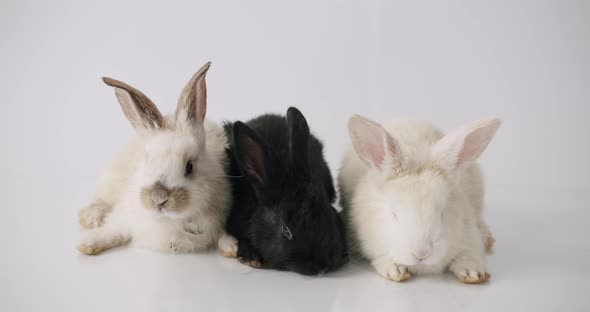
283,192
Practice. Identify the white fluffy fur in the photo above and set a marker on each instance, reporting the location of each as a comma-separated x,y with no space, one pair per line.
413,198
117,216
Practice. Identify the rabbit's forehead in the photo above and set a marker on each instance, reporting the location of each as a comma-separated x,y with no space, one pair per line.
419,193
170,147
168,141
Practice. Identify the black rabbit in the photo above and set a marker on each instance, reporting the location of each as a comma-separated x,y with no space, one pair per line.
282,216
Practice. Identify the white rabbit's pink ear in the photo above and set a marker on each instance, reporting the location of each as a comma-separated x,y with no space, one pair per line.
192,104
463,146
374,145
137,107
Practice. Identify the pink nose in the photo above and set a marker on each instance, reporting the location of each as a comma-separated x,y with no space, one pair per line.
423,253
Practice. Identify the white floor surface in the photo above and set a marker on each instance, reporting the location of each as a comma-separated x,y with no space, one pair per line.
541,262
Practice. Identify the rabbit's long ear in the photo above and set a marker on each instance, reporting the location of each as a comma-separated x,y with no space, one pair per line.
299,143
250,153
137,107
463,146
192,104
374,145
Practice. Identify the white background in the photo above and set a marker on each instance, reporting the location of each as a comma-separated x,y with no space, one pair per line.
450,62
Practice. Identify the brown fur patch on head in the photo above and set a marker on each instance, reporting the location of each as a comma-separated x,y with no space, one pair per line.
177,199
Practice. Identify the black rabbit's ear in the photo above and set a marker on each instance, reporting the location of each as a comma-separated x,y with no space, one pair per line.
298,143
250,152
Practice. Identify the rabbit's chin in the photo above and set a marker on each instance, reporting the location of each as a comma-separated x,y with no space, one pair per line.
411,261
439,255
155,213
408,260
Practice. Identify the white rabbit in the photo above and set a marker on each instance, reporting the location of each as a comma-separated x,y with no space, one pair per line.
167,190
412,198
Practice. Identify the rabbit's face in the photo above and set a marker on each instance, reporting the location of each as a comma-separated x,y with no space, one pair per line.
298,232
413,215
169,169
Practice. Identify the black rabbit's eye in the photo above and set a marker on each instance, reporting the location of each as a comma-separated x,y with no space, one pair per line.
189,168
287,232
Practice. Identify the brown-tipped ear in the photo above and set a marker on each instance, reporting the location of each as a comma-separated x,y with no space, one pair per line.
192,104
137,107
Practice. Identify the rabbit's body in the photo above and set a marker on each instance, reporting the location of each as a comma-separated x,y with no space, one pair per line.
118,207
393,201
149,197
282,216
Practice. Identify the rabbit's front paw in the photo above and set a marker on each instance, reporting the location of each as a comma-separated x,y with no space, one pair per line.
92,216
91,247
471,276
100,239
470,269
228,246
248,256
192,227
177,247
392,271
251,263
182,245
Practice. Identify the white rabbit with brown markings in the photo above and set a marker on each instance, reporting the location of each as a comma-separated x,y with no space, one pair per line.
167,190
412,197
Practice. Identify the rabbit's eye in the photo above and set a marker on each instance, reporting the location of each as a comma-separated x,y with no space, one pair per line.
287,232
189,168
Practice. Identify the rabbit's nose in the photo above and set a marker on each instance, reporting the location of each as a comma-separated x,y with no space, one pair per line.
160,196
423,253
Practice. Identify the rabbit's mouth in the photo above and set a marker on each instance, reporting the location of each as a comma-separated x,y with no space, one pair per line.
162,206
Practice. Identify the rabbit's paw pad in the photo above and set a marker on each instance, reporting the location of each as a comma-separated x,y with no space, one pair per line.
469,276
